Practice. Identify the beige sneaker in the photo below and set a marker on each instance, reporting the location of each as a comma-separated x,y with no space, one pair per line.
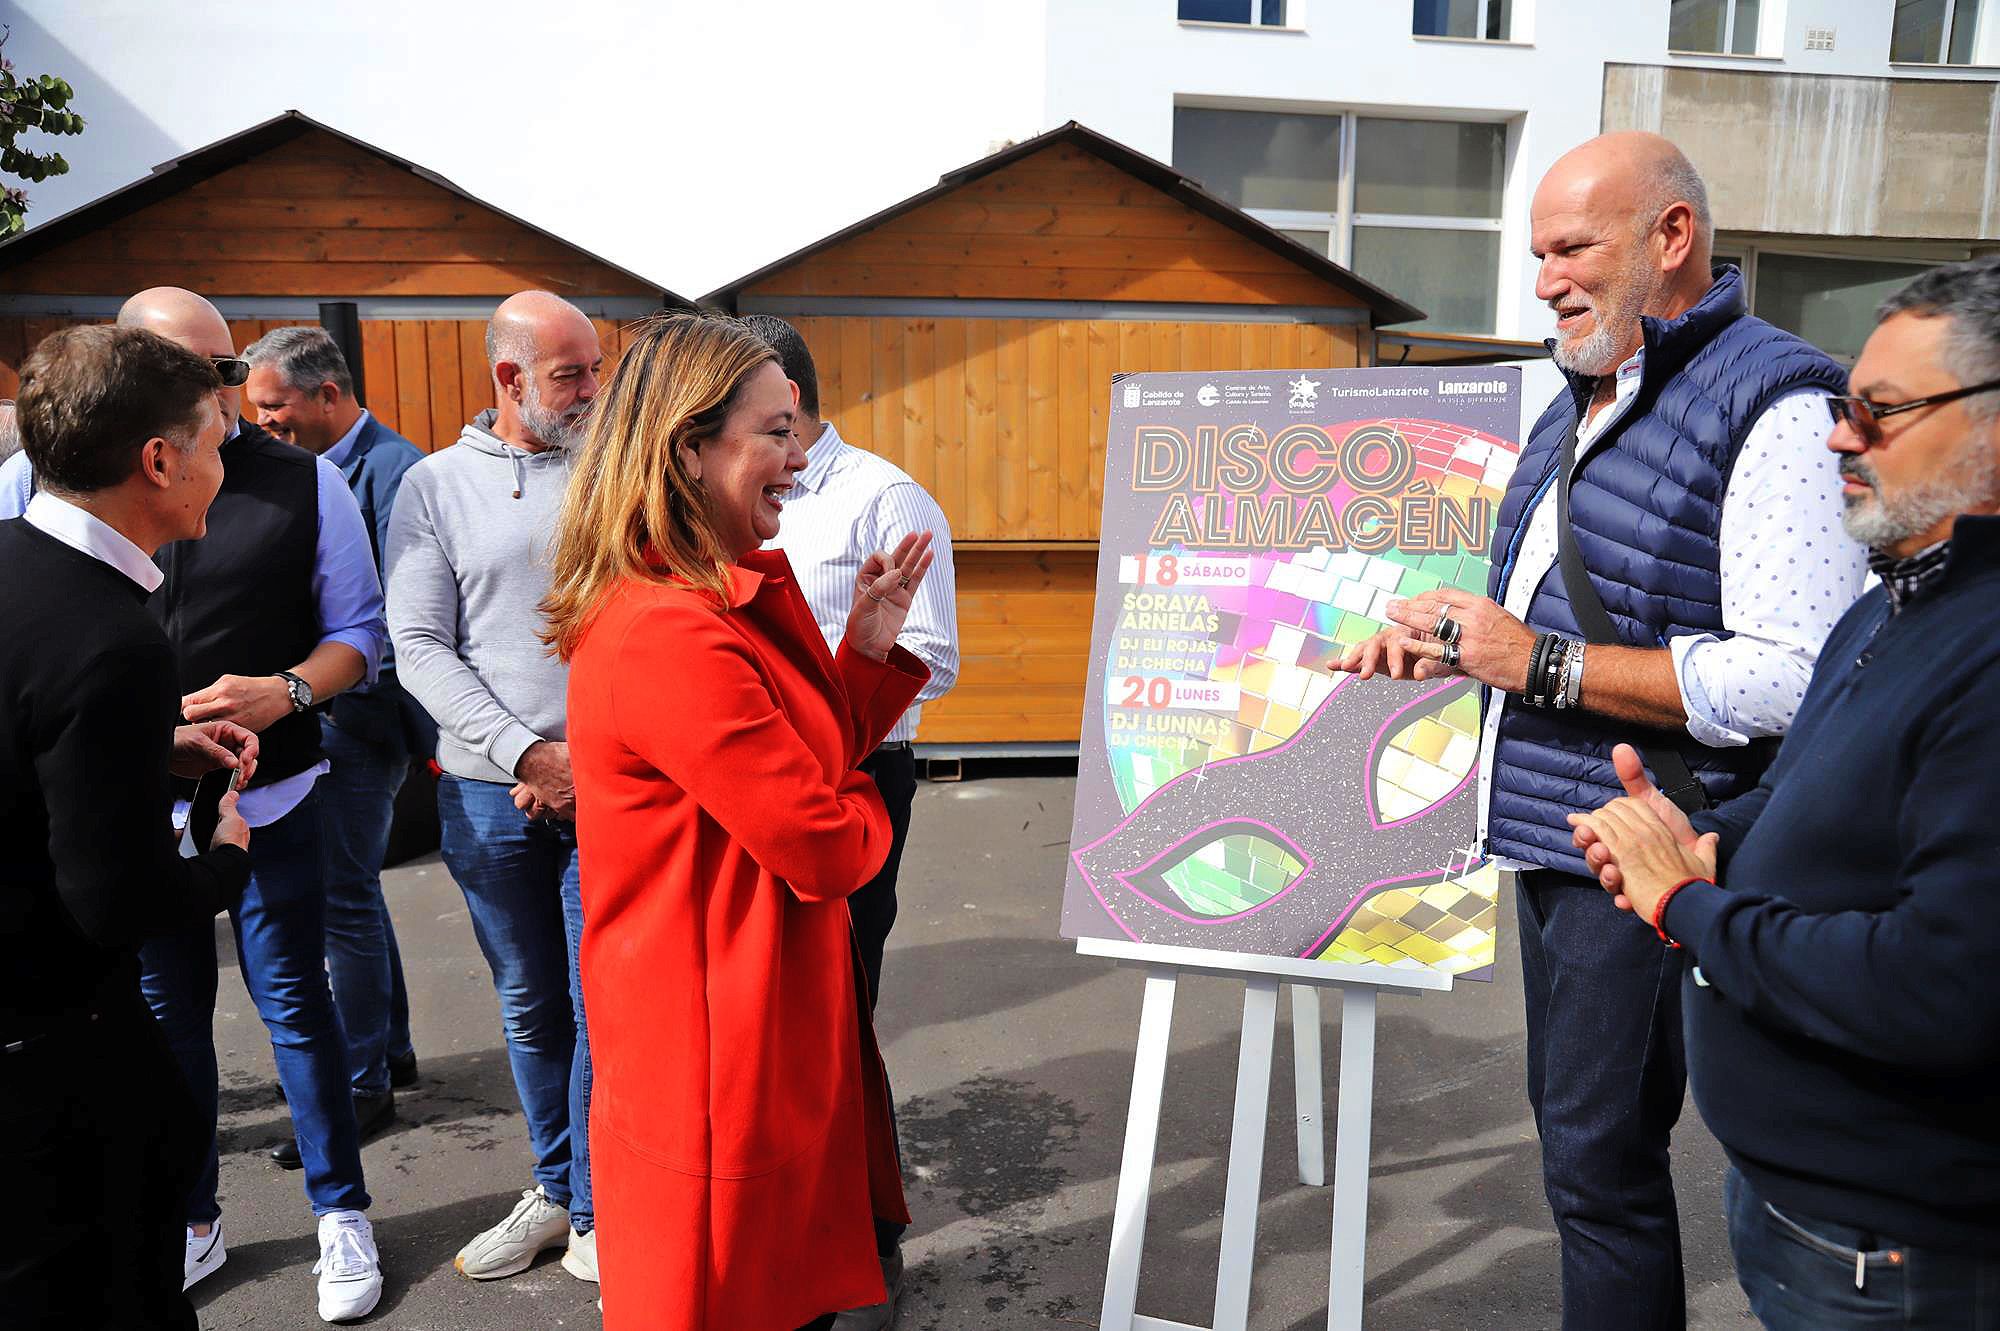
535,1225
580,1258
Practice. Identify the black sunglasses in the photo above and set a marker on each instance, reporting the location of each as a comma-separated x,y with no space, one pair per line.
1866,416
235,371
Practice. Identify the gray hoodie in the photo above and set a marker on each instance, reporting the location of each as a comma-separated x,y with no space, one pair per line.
468,567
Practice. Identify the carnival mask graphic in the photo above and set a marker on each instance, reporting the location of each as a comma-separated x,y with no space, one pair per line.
1318,803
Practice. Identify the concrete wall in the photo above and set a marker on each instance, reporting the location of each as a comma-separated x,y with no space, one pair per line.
1826,156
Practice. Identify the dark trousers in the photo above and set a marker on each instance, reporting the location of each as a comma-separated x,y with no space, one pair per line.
1804,1274
1606,1075
357,803
103,1143
873,906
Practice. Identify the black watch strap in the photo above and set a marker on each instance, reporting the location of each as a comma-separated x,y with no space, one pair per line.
301,692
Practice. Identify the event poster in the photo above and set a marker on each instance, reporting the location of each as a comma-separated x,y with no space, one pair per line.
1234,793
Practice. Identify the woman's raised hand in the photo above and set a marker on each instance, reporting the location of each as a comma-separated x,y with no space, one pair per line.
882,594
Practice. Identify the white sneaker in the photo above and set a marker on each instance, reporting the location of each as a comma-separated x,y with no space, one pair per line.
349,1270
205,1255
535,1225
580,1258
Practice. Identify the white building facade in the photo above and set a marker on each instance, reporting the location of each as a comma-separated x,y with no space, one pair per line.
1848,143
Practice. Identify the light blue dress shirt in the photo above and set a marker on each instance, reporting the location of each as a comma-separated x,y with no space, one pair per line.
347,601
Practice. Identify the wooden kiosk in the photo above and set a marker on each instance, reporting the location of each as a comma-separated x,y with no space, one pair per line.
970,334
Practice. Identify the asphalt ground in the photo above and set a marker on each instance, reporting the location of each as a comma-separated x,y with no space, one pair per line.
1012,1063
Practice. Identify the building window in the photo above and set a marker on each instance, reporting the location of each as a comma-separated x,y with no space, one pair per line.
1945,32
1714,27
1490,20
1827,298
1411,205
1251,13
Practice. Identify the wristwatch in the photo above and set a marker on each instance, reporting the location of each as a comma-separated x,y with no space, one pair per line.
302,692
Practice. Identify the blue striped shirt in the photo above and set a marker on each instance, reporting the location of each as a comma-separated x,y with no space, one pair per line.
846,505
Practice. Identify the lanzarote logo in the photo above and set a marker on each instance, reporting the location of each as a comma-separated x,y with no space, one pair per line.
1305,393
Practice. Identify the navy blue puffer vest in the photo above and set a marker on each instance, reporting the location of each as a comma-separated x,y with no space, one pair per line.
1646,506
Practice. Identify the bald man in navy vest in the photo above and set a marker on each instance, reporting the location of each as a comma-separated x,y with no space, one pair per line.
1668,561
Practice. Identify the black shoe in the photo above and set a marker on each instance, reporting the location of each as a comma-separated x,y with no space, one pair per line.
403,1071
370,1113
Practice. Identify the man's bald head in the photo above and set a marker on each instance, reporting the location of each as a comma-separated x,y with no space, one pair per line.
182,317
1633,172
1622,229
545,358
179,316
528,321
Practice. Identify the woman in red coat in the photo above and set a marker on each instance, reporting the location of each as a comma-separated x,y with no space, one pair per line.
741,1145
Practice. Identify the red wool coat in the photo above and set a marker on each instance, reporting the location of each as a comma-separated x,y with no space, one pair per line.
739,1125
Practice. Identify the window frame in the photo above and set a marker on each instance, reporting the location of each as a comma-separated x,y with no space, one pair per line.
1340,225
1728,51
1292,21
1749,249
1479,27
1941,58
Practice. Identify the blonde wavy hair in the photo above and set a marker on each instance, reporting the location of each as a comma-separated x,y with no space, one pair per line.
632,510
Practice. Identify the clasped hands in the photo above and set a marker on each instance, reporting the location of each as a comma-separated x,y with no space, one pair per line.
1641,844
883,591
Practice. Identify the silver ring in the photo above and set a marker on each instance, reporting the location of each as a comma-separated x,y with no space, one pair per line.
1451,653
875,596
903,583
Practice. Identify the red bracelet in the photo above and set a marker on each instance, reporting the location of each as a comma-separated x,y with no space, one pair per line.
1660,907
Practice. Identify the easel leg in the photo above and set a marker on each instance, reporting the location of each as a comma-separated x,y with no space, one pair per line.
1246,1154
1307,1078
1350,1158
1135,1171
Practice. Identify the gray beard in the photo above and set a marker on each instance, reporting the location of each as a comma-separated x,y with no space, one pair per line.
1598,354
549,426
1964,481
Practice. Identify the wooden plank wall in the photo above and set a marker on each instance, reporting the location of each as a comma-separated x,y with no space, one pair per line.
318,216
424,378
1063,224
1003,420
1024,634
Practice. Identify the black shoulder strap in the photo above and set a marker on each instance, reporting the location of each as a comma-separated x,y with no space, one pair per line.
1677,780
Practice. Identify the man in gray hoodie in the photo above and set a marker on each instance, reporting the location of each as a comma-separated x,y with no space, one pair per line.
468,568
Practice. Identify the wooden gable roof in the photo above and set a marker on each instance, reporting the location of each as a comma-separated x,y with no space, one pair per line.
292,207
1072,216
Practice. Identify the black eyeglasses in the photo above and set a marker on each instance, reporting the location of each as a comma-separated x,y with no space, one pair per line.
1866,416
235,371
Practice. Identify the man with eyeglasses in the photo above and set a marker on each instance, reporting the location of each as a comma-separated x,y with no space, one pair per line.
274,611
1667,559
1843,1024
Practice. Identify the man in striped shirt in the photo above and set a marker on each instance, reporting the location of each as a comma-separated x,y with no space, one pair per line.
846,505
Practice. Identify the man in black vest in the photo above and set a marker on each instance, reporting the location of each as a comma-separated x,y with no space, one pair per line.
103,1139
303,393
276,610
1667,557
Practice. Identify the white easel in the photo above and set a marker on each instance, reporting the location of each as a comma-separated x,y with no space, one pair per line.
1262,975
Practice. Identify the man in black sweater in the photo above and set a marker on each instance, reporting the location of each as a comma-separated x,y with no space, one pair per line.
1843,1019
102,1135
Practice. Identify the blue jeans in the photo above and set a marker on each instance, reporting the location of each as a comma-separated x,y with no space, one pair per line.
1606,1075
520,883
357,801
1800,1274
280,927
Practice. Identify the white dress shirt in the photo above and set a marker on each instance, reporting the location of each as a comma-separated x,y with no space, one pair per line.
1789,572
85,531
846,505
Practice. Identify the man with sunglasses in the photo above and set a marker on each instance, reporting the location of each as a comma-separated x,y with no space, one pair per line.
275,610
1843,1024
1667,557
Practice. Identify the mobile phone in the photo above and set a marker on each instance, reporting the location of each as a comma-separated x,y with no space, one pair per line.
205,809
